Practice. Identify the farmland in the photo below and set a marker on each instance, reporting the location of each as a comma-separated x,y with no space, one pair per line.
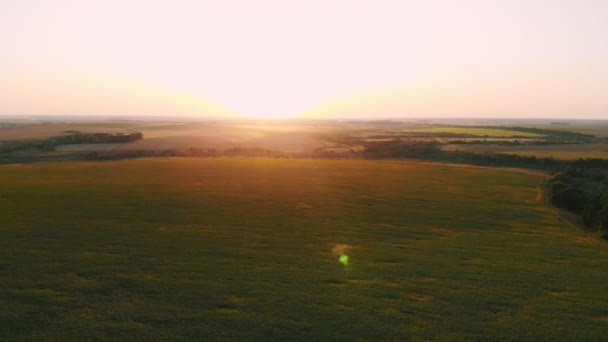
248,248
475,131
58,139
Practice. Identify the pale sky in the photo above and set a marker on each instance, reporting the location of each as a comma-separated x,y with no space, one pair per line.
320,58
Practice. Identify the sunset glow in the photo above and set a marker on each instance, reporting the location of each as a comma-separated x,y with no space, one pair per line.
276,59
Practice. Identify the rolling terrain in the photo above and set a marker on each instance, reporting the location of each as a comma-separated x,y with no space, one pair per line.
62,140
247,248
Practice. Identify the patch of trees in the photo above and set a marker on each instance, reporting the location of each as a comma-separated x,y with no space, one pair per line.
20,145
50,143
500,160
431,150
401,149
583,191
94,138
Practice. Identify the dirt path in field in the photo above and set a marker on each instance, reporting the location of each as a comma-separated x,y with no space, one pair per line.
540,193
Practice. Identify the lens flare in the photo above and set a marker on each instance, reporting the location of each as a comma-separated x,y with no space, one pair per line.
343,259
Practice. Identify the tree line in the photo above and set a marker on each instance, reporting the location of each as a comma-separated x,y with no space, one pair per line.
74,137
583,191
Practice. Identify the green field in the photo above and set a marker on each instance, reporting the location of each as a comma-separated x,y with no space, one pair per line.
480,132
247,249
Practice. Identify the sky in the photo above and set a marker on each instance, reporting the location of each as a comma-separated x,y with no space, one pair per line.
313,58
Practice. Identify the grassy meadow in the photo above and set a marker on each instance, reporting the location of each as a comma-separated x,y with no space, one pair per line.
247,249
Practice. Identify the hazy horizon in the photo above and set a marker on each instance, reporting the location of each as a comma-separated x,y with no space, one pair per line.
317,59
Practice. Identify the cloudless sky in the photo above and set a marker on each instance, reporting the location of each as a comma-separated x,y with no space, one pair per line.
321,58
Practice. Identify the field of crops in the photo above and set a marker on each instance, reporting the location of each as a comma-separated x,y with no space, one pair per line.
246,249
480,132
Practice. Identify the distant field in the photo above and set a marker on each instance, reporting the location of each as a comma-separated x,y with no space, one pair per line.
290,142
564,152
491,132
247,249
599,130
283,136
45,130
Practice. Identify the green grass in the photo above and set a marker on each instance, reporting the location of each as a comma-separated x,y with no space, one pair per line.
248,249
480,132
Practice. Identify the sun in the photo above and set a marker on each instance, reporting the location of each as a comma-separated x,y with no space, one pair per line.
268,116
